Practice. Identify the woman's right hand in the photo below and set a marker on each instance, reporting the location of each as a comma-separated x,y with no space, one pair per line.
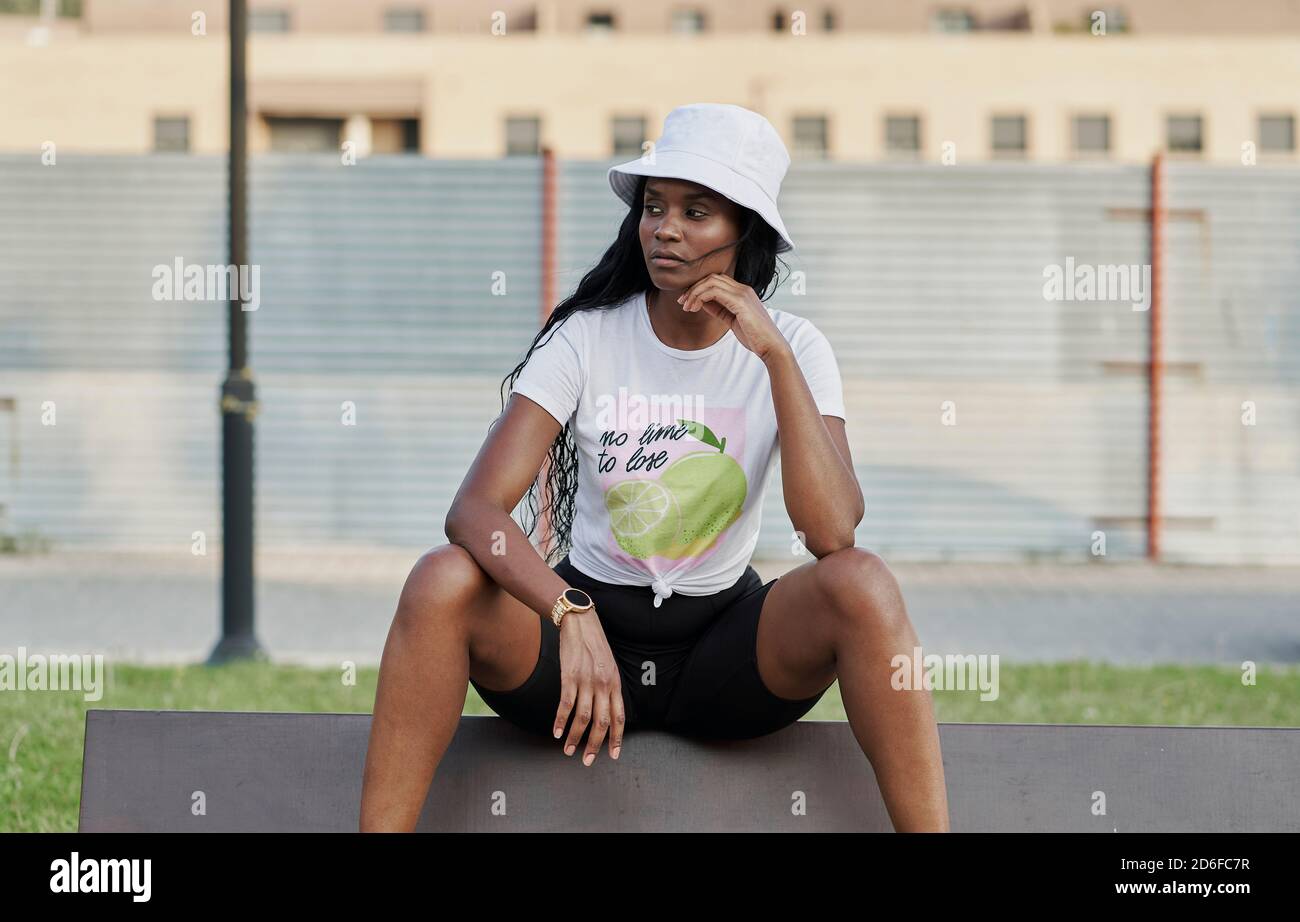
590,686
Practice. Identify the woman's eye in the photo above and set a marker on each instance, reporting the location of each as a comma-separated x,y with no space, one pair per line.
653,208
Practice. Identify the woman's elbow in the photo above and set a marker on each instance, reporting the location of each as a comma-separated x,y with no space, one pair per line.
457,515
466,513
829,542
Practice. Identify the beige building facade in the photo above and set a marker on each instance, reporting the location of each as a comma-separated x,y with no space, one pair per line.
968,83
639,17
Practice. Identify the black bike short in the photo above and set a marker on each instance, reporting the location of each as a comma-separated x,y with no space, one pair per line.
689,666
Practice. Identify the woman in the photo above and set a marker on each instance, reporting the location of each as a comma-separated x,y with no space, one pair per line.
656,392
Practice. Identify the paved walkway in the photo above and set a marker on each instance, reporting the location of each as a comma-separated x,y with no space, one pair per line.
325,609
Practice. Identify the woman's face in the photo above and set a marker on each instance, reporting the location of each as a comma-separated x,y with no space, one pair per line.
687,220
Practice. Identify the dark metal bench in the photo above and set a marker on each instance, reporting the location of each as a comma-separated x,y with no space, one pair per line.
302,772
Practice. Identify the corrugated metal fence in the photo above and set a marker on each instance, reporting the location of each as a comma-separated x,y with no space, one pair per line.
986,421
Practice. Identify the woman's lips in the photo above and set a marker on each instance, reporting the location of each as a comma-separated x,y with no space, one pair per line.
666,262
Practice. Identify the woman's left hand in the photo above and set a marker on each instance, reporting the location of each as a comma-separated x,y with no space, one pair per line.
738,305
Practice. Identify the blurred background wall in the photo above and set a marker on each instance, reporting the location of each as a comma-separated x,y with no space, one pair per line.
945,157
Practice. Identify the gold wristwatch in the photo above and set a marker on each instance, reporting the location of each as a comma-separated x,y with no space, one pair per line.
570,600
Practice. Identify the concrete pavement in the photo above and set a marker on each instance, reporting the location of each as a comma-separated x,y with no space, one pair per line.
322,608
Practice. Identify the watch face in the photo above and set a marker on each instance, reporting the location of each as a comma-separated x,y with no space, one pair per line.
577,597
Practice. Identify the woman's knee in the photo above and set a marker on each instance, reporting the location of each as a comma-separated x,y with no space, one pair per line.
861,586
441,586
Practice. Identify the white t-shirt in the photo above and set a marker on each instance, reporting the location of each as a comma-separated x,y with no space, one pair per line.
673,505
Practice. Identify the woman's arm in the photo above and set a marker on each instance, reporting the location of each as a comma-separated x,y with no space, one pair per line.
821,491
822,494
479,519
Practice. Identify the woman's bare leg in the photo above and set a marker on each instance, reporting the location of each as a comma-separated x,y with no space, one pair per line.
843,616
451,619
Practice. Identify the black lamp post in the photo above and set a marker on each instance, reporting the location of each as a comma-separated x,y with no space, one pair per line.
238,395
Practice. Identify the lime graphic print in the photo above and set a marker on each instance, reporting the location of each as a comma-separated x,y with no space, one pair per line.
674,519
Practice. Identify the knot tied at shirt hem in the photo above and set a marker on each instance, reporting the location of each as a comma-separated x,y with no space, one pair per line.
662,590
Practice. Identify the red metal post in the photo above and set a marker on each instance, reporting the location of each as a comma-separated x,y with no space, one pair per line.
1156,360
547,288
548,233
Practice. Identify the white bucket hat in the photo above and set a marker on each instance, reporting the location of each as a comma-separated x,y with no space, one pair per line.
733,151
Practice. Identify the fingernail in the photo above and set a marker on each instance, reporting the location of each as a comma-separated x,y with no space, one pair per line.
588,759
557,733
570,750
681,298
614,753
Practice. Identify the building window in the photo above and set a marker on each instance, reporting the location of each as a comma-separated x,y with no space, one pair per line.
783,22
600,22
688,21
394,136
952,20
401,20
1091,135
1277,134
305,135
1183,134
1010,136
809,137
171,134
1007,21
68,9
629,135
1115,19
523,136
903,135
268,20
411,135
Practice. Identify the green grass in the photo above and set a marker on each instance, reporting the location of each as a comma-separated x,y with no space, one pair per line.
41,733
